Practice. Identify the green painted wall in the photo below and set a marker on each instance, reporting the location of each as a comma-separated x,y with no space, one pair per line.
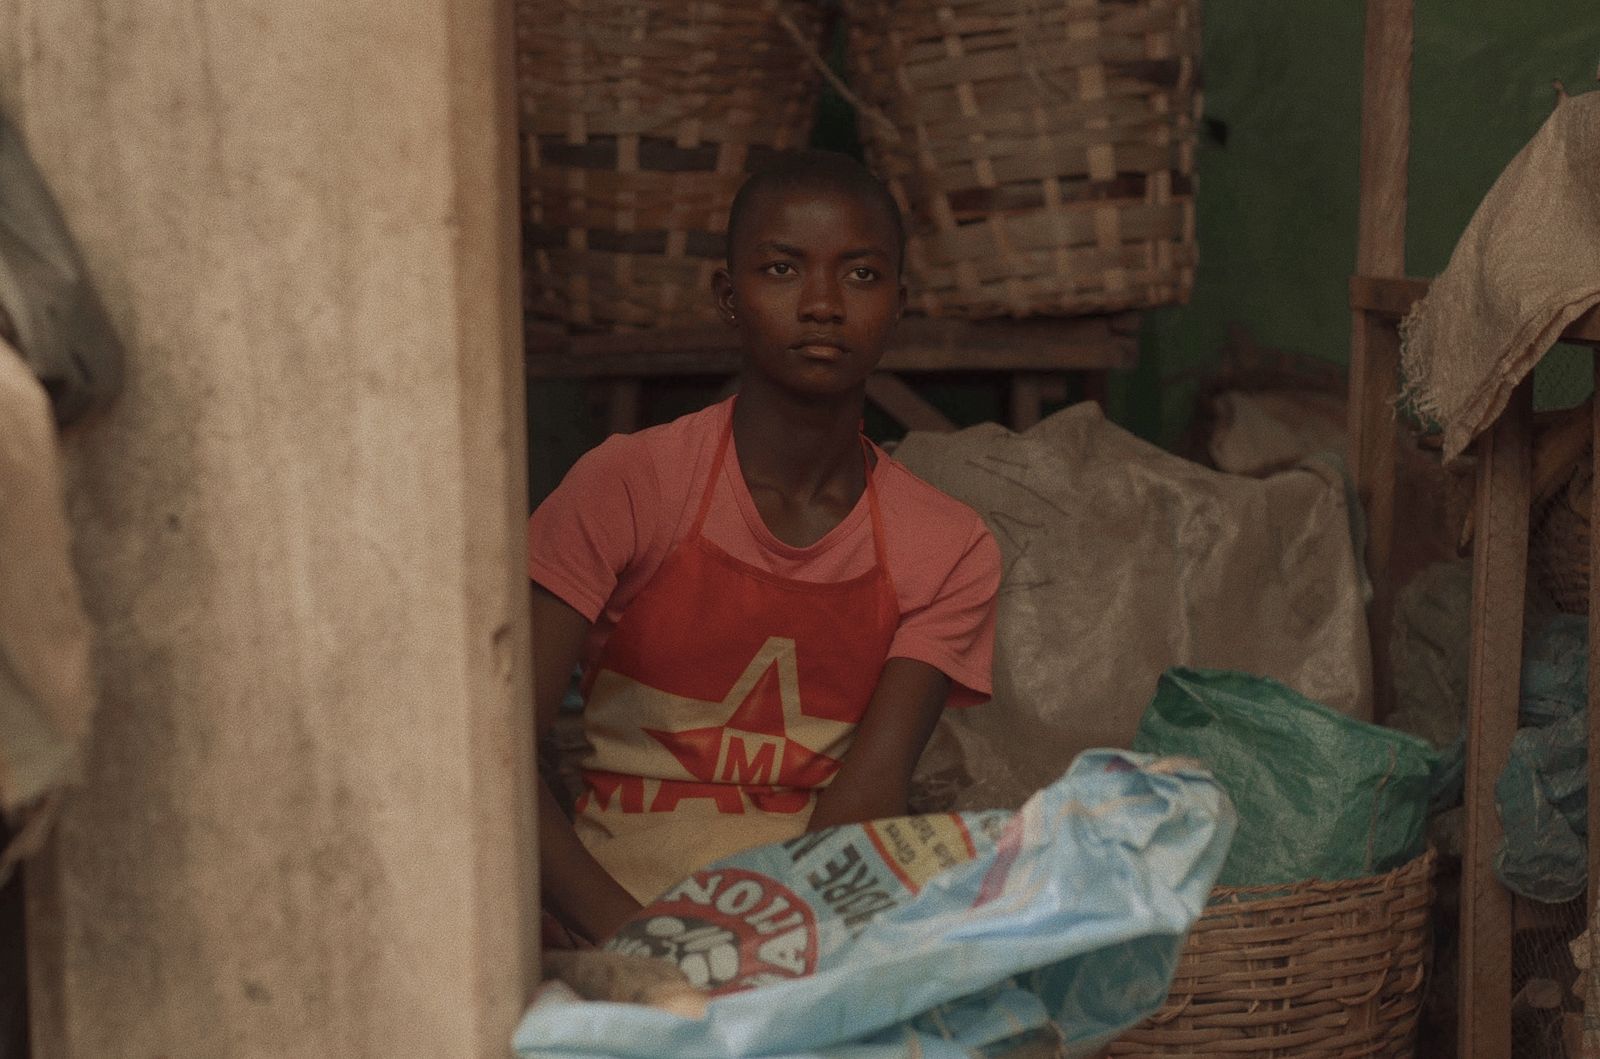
1276,210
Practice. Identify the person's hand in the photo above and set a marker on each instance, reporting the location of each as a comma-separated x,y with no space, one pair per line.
622,978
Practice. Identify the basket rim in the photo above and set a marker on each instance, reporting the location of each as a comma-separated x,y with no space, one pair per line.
1422,863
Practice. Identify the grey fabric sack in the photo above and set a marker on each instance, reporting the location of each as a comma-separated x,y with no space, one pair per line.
55,319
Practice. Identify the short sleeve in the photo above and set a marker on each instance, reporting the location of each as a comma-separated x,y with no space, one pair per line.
954,631
593,525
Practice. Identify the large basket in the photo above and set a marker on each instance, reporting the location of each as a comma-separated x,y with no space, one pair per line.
1044,149
640,119
1315,969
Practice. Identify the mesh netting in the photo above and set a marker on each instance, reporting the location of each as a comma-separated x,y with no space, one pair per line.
1545,984
1543,979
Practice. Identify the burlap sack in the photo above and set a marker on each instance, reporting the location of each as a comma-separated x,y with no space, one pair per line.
1121,560
1526,267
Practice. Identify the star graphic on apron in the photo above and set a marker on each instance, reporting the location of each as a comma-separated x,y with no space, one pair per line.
754,746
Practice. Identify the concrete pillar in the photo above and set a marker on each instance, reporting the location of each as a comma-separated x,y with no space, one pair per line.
305,829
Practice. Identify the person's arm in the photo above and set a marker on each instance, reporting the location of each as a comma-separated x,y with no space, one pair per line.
874,780
577,890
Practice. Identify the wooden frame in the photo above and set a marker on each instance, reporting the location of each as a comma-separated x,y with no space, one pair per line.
1392,298
1037,353
1379,296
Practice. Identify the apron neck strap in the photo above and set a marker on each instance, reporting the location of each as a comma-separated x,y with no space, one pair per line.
711,479
717,461
878,548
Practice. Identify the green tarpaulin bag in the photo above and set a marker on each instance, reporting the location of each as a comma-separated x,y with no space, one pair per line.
1319,795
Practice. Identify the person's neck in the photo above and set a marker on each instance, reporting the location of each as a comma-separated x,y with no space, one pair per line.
797,445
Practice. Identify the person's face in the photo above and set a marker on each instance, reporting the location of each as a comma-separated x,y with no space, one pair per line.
814,289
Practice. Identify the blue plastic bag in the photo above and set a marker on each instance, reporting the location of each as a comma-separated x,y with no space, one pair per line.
1543,793
950,932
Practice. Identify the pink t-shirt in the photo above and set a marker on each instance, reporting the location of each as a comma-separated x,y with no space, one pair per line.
600,537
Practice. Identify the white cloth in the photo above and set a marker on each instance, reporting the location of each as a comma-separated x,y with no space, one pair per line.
1121,560
46,690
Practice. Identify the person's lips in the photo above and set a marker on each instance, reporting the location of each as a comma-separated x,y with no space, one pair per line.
820,348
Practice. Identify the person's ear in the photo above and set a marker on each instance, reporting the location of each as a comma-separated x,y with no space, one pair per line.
722,293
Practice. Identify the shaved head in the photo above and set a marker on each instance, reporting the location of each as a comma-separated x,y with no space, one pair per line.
825,172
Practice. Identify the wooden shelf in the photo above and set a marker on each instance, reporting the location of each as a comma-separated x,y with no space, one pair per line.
1395,297
1083,343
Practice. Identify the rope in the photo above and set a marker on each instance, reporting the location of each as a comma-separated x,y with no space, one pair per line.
809,50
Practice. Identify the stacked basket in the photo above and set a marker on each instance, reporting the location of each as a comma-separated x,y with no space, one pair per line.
640,119
1044,149
1315,969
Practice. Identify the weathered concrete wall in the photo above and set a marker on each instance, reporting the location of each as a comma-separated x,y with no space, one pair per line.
305,831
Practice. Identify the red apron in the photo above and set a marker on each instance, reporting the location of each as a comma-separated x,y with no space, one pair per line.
722,702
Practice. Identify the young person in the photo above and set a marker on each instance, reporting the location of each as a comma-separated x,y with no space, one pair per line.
770,611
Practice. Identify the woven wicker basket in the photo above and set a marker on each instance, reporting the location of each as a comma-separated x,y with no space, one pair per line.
1316,969
640,119
1044,149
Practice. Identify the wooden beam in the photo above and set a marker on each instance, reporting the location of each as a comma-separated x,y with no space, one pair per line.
1494,683
1528,914
1373,405
1392,297
1380,250
905,405
1088,343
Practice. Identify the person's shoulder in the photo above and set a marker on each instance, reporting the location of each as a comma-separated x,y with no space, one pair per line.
914,506
940,550
615,457
665,445
687,431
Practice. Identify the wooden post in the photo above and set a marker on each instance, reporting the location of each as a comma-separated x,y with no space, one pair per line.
304,827
1591,1002
1494,688
1374,347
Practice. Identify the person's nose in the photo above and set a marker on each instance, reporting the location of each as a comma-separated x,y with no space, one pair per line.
822,298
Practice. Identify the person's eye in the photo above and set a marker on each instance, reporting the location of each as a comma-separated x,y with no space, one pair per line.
863,273
779,268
